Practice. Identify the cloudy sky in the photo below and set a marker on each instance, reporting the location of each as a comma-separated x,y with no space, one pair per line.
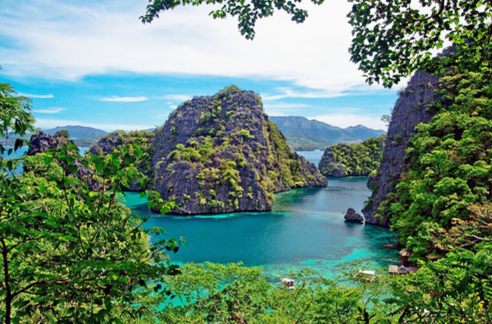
93,63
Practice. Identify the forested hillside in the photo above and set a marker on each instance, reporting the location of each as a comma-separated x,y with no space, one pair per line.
303,134
359,159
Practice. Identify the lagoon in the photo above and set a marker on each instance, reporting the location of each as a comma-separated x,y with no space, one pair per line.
305,230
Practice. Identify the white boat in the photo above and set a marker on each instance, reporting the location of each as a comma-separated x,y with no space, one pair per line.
289,283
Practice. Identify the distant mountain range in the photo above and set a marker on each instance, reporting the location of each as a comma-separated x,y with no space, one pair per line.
81,135
303,134
77,132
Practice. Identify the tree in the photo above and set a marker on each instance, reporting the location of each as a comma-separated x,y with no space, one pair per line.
15,115
391,38
69,251
247,12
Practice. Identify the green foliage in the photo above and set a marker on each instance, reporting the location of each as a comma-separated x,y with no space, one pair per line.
247,12
353,159
455,289
449,165
392,39
139,145
70,253
15,116
213,293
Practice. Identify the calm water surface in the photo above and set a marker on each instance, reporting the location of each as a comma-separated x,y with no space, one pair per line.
305,229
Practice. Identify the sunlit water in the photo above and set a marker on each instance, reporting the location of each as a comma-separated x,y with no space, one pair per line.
305,229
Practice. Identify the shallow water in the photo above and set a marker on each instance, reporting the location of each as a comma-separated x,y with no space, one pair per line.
305,229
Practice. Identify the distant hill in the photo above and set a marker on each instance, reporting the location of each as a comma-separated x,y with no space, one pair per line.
80,135
303,134
77,132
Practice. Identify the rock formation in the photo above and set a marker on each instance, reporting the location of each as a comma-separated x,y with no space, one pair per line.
351,216
358,159
221,154
411,109
42,142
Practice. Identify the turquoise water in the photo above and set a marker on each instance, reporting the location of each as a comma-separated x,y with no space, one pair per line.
305,229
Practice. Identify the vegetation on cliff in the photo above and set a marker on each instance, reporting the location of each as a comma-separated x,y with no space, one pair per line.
221,154
450,169
72,254
142,149
360,159
440,208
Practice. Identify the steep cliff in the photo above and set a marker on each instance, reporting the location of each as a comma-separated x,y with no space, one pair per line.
360,159
221,154
411,109
144,139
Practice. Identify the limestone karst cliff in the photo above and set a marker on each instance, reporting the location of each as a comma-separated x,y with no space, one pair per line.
411,109
221,154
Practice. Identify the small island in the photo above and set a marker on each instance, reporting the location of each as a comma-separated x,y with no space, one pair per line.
358,159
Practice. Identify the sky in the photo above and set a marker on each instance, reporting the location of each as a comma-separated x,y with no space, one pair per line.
93,63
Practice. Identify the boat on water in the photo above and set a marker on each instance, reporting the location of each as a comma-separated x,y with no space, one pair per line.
289,283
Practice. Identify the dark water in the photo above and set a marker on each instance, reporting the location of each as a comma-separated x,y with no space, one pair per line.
305,230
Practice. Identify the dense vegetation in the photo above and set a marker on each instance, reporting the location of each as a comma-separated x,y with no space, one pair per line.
303,134
359,159
441,209
141,141
221,154
450,170
71,254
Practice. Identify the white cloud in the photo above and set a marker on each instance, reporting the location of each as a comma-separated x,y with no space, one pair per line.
52,110
284,93
176,97
67,41
51,123
285,105
123,99
346,120
36,96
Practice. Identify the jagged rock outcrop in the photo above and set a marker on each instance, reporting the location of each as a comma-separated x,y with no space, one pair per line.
42,142
351,216
411,109
144,140
358,159
221,154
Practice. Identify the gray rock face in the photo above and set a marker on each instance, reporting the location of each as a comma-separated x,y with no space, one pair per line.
42,142
351,216
221,154
410,110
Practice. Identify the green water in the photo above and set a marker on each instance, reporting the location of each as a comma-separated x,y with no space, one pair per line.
305,229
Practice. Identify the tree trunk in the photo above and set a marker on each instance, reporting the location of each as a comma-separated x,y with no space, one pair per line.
8,289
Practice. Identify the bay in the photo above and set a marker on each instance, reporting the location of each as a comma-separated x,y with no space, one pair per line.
305,230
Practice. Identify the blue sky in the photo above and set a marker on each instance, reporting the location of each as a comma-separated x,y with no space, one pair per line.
93,63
